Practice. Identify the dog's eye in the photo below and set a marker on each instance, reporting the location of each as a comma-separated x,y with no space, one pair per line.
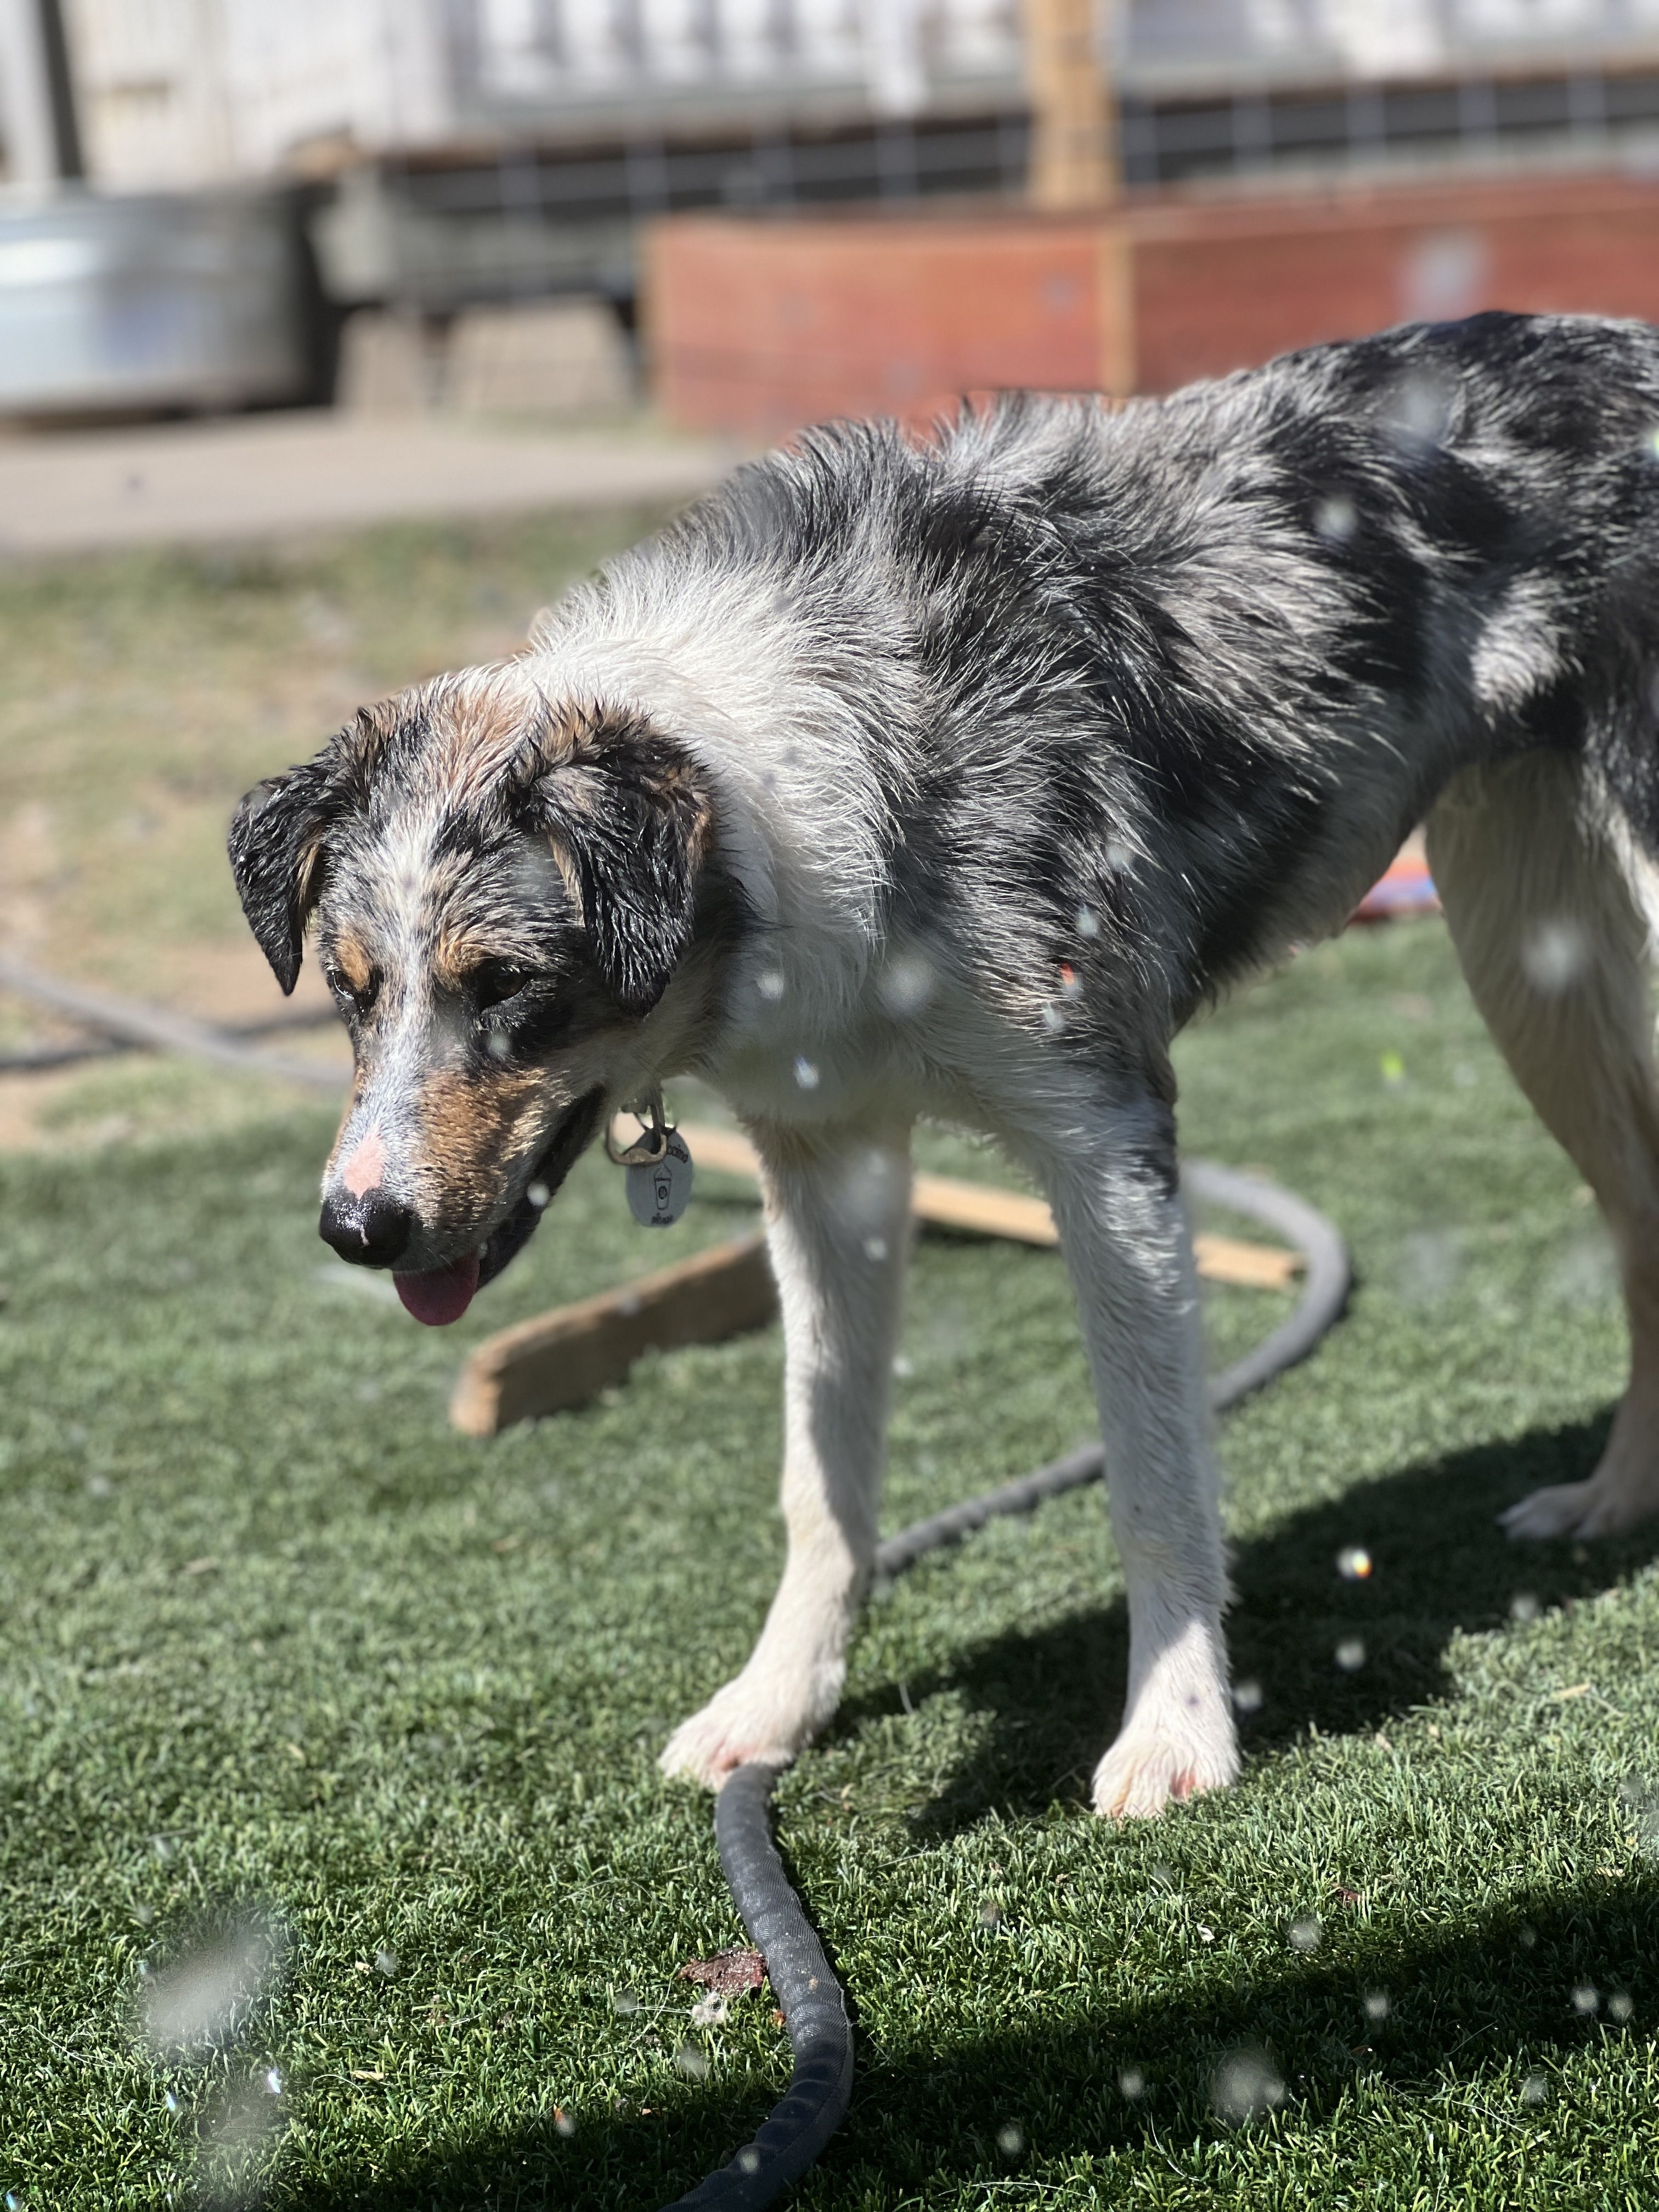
495,981
360,1000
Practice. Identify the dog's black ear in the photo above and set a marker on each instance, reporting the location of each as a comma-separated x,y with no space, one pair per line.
632,813
276,849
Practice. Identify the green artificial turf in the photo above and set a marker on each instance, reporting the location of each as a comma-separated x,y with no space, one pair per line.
285,1662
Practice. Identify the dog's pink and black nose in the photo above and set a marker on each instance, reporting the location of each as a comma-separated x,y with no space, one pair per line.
367,1227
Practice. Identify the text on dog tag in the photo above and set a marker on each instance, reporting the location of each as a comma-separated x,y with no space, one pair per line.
660,1192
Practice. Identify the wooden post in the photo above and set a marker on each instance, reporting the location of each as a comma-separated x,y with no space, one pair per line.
1073,125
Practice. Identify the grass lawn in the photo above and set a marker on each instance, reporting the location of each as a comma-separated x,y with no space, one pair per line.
281,1651
286,1665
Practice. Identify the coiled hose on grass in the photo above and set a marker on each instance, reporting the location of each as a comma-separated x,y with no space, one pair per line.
813,2002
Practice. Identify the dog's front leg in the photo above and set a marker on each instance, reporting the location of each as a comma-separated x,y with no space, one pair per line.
838,1225
1126,1245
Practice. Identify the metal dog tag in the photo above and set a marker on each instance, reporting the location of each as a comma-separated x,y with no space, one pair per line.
659,1191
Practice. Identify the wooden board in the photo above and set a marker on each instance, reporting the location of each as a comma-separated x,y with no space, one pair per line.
980,1210
564,1358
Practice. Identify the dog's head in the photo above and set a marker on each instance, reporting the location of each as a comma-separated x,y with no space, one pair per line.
504,892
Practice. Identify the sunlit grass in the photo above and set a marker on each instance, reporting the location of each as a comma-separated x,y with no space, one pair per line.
274,1640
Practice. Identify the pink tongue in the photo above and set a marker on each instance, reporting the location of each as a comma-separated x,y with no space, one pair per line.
440,1295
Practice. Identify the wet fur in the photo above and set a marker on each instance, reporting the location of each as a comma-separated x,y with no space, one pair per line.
951,778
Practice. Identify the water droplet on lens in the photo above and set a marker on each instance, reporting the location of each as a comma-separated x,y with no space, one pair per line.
906,983
1555,955
1247,1695
539,1196
1245,2085
1350,1654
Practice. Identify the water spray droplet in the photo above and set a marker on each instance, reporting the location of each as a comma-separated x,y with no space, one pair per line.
1555,955
1245,2086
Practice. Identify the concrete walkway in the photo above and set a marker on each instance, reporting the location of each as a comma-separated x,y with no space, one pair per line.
269,475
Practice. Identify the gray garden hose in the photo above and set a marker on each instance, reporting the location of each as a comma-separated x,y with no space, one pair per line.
813,2002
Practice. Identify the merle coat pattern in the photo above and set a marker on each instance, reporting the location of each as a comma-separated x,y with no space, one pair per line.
949,778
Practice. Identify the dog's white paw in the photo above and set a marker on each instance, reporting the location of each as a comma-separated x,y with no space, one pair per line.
1624,1490
1177,1739
750,1718
1147,1769
1595,1508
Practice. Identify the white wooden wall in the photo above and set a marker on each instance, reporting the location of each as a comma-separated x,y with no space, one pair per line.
181,92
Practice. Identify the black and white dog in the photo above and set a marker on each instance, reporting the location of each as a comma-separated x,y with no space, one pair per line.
948,779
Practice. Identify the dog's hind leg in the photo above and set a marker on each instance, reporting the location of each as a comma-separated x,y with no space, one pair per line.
1111,1183
838,1222
1546,911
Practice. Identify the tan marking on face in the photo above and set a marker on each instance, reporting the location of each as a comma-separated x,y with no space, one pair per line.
475,1130
351,958
479,722
461,949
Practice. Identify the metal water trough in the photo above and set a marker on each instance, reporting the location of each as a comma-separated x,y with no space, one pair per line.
151,301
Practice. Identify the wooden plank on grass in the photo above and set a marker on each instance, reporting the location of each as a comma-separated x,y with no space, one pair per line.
980,1210
565,1358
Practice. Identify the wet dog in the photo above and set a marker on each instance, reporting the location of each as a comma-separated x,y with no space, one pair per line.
949,779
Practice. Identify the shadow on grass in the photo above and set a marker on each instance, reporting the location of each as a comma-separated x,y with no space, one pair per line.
1495,1998
1439,1564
